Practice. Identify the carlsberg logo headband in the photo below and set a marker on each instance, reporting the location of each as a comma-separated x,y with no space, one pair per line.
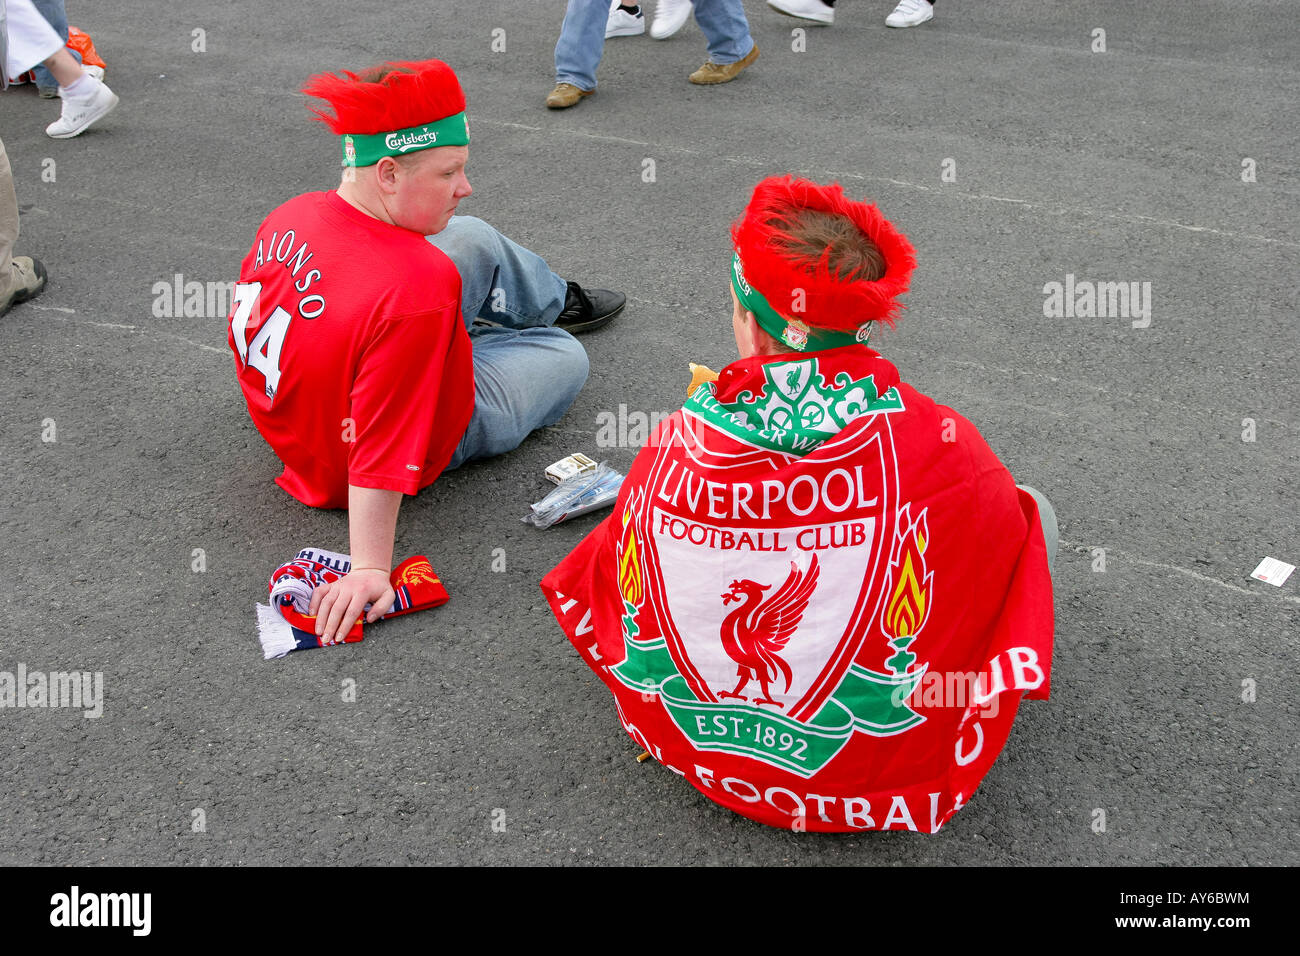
368,149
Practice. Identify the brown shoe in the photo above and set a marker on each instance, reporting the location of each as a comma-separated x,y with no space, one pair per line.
711,72
565,95
28,281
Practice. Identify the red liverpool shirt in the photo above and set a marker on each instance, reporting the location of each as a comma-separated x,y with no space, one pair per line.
351,351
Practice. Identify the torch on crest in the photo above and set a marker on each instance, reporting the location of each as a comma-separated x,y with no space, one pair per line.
908,586
631,579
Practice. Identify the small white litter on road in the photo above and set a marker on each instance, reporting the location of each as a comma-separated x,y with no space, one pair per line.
1272,571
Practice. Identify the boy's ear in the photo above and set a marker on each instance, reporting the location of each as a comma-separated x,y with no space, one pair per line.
386,172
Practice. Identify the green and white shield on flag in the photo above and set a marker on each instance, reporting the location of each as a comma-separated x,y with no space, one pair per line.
766,588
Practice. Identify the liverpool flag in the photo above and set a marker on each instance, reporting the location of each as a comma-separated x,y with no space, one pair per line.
819,599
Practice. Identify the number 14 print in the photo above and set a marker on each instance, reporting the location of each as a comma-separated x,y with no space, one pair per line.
263,352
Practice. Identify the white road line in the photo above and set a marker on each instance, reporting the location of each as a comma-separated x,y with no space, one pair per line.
1073,383
948,192
130,328
1184,571
998,370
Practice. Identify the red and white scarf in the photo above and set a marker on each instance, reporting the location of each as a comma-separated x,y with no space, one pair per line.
286,626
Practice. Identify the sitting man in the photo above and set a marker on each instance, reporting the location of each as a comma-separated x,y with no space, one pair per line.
820,596
354,332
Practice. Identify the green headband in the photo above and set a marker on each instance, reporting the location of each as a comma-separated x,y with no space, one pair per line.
798,335
367,149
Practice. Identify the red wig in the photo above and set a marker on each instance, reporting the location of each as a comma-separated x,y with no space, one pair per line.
388,97
762,233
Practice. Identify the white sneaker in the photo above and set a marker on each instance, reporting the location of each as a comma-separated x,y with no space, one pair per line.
910,13
670,16
624,24
814,10
78,114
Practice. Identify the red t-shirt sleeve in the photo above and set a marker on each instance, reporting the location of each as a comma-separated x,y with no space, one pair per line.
395,397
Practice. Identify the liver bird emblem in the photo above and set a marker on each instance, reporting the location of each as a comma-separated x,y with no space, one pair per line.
418,571
756,632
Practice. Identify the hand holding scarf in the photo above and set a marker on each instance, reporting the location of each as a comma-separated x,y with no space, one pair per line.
287,625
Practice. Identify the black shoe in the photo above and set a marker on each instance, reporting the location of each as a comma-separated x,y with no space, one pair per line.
587,309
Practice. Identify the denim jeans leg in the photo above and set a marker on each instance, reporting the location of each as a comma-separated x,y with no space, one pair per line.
725,28
54,12
524,379
582,42
500,280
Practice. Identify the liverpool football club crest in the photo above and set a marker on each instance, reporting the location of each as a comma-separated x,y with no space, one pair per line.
777,594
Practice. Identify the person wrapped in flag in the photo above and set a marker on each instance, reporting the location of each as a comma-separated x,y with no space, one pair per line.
820,596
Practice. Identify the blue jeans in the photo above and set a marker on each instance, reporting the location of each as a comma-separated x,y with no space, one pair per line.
526,373
582,37
52,10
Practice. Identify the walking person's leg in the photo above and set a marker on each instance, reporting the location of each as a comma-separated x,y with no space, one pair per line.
31,40
57,17
725,29
8,222
731,48
578,51
21,277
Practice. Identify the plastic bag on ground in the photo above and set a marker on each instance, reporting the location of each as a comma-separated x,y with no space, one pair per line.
575,496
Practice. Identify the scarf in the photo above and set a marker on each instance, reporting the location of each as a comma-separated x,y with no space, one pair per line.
286,626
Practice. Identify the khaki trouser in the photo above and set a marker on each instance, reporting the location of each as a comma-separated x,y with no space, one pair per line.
8,223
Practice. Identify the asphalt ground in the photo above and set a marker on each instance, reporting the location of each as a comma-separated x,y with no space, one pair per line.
1124,165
